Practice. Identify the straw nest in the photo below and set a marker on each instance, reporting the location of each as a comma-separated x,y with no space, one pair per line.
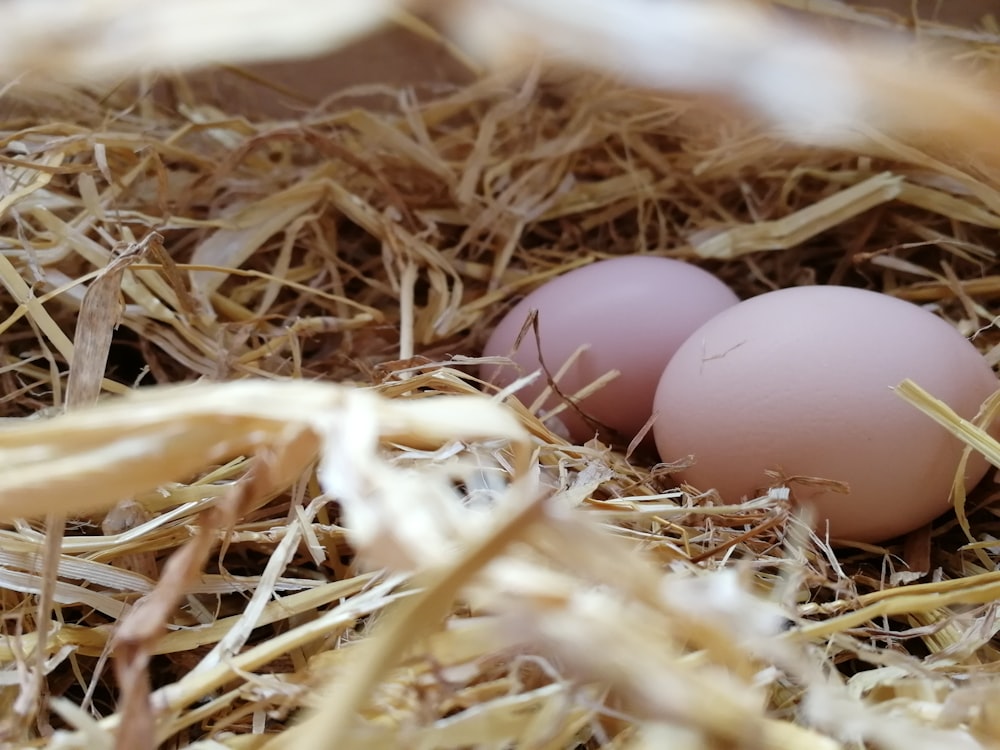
334,538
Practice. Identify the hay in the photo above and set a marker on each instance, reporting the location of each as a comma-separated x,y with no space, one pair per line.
335,538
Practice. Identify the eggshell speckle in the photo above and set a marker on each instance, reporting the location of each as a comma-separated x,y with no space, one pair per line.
800,381
633,312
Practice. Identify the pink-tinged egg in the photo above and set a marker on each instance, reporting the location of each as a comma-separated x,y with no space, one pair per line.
799,382
632,313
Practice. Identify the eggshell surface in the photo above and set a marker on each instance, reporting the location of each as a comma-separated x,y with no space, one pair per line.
799,381
632,313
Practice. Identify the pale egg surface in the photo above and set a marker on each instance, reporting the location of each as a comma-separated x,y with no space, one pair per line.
799,382
632,313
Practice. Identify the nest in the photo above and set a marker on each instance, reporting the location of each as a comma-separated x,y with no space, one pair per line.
254,493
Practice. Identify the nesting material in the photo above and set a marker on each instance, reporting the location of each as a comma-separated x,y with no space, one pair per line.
252,492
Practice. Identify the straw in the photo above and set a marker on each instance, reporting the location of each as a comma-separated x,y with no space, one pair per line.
239,354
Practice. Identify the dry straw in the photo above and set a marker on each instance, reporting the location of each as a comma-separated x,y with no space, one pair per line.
252,493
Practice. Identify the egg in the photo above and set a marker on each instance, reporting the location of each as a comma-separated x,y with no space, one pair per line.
799,382
632,313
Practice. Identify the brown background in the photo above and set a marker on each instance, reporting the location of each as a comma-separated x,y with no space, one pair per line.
399,57
957,12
